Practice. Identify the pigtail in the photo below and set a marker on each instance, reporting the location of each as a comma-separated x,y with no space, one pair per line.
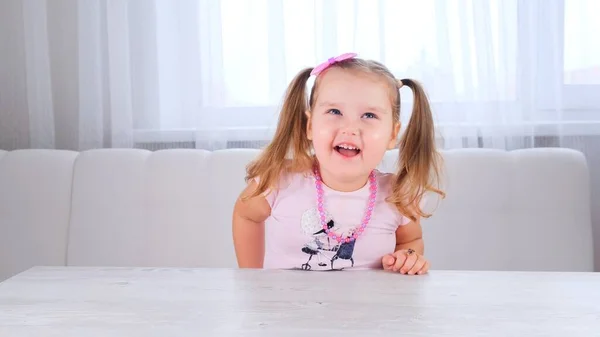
418,169
289,136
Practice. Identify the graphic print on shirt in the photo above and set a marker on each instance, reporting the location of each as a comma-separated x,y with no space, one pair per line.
327,253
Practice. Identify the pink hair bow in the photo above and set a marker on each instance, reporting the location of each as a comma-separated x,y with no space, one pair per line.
318,69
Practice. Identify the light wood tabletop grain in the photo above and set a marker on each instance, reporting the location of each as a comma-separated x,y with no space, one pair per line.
90,302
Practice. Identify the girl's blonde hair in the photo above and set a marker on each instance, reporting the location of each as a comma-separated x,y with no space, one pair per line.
418,166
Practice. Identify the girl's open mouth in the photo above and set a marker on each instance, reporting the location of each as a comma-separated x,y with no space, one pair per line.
347,150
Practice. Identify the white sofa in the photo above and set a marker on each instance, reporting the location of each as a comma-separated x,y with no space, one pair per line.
520,210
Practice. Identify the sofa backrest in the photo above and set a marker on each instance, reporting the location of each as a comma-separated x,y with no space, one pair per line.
513,211
518,210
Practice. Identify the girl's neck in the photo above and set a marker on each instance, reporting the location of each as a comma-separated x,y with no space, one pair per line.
343,185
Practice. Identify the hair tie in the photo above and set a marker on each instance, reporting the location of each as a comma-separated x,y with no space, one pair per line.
400,84
332,60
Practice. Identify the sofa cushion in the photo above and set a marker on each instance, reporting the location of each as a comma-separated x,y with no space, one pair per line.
227,169
140,208
35,201
517,210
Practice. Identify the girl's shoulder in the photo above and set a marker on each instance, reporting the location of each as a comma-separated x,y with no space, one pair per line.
295,179
385,181
285,176
290,183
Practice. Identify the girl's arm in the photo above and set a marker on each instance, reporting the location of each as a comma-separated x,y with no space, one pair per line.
408,254
249,228
410,236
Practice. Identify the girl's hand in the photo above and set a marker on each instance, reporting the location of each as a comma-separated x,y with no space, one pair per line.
405,261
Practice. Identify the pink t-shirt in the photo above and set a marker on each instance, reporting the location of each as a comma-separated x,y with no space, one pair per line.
294,238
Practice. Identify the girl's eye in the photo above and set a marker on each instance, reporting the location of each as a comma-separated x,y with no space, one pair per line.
335,111
370,115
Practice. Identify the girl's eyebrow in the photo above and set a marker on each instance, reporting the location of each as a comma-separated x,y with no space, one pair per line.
369,108
377,109
327,103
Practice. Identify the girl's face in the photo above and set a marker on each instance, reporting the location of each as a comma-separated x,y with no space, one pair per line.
351,126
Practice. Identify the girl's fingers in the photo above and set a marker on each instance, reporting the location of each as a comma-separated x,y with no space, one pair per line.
400,260
388,261
424,269
411,260
408,260
418,266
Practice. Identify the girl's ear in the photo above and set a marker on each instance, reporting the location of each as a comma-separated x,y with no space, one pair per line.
308,125
394,140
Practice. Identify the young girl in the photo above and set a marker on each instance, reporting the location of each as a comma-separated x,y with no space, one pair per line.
314,199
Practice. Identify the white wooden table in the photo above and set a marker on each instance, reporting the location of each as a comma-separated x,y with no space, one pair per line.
94,302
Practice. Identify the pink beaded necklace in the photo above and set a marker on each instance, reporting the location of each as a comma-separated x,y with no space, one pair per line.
366,218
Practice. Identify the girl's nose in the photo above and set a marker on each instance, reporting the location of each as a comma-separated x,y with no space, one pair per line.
350,131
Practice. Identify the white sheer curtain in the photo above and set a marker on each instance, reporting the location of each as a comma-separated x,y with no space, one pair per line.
81,74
